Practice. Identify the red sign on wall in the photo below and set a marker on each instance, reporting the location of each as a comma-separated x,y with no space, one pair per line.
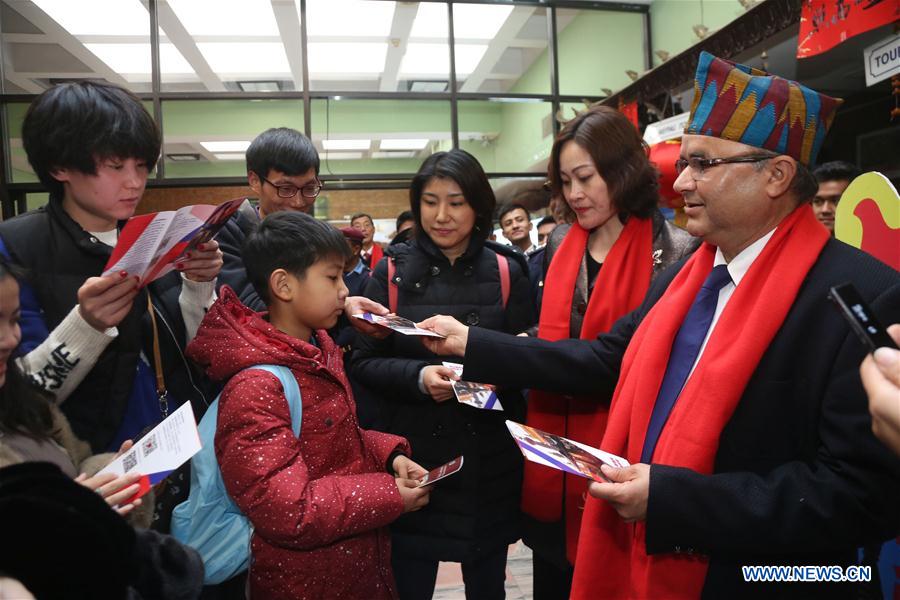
826,23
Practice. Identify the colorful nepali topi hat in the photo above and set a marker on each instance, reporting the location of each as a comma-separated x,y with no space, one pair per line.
742,104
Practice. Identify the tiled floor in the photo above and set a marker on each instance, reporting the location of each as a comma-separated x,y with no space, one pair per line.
518,577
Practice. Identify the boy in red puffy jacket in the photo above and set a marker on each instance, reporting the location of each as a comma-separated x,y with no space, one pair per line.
318,504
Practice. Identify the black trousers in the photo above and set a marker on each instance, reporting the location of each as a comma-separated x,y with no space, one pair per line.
484,578
551,582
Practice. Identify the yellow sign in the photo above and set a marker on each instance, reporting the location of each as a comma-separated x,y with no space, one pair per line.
868,217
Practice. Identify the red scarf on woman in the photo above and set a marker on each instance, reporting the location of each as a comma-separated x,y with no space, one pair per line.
619,289
612,559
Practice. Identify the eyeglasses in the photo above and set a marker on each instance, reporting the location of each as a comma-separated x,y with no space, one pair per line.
699,165
310,190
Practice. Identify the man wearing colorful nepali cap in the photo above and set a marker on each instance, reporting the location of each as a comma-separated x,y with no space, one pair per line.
737,396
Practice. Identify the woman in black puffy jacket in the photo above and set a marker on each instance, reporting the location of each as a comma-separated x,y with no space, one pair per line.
450,268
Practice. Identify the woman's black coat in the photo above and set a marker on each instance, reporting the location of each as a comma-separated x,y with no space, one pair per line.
476,511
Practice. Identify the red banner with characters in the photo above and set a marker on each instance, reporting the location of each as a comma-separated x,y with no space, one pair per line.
826,23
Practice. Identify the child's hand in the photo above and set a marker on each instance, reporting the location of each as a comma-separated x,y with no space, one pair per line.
404,468
438,382
104,301
114,489
414,497
202,263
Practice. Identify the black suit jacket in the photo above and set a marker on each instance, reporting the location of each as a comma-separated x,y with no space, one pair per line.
799,477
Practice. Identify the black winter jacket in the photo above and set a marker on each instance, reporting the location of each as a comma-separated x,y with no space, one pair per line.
59,256
233,274
475,512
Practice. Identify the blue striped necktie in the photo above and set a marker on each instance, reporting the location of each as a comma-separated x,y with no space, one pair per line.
684,353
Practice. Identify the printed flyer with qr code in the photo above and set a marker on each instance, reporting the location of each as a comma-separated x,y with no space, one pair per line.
168,445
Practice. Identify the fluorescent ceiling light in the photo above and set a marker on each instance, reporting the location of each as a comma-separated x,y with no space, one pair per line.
259,86
229,156
99,17
226,146
393,155
477,21
134,59
428,86
355,18
404,144
183,157
226,17
245,57
346,144
433,60
333,57
342,155
431,21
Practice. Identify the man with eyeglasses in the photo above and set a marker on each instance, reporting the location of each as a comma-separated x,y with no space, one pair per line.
738,400
283,172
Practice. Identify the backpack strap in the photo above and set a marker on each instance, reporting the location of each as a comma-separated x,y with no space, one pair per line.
291,392
392,287
503,267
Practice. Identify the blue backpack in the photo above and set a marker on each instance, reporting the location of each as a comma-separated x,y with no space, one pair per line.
209,521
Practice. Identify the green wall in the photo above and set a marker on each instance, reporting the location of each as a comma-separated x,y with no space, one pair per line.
671,22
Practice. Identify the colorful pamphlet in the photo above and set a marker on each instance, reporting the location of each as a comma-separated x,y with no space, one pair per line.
398,324
149,244
562,453
168,446
445,470
474,394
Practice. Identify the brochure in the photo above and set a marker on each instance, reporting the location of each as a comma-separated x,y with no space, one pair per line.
474,394
445,470
149,244
562,453
168,445
398,324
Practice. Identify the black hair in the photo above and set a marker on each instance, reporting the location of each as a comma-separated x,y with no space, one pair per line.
282,149
403,217
508,208
292,241
366,215
548,220
836,170
466,171
24,408
75,125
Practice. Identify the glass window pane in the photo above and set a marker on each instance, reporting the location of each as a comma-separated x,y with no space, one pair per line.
47,41
596,48
378,136
507,136
208,138
386,46
230,45
19,169
501,48
673,23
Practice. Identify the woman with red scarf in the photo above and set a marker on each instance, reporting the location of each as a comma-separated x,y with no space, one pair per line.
599,269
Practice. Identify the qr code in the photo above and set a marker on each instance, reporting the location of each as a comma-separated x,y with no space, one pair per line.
149,445
129,461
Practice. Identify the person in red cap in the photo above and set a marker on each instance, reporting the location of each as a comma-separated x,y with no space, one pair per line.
737,400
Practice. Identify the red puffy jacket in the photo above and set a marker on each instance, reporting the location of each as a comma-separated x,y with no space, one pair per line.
318,504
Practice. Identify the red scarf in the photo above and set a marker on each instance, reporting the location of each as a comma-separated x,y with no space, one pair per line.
375,255
612,559
620,288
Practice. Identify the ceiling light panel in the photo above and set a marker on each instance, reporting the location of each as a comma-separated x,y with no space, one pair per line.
478,21
342,155
229,156
404,144
346,58
226,17
134,59
226,146
353,18
393,154
433,60
119,17
346,144
431,21
257,58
